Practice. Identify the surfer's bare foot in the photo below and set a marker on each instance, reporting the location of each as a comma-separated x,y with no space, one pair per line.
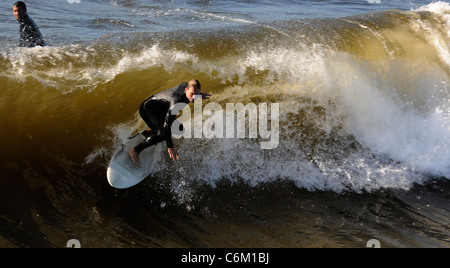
134,157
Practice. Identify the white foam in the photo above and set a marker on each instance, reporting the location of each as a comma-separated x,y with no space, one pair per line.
438,7
77,67
382,121
437,35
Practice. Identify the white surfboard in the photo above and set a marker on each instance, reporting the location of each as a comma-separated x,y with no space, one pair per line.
122,173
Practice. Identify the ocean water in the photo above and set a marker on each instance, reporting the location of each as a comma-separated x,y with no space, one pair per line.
363,152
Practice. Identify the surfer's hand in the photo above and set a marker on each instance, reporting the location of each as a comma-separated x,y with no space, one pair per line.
205,95
173,154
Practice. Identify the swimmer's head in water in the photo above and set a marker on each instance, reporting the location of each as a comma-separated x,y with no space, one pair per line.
19,10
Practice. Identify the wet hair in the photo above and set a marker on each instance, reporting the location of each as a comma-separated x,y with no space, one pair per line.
20,5
199,86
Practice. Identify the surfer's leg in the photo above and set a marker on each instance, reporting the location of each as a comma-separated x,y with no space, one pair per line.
134,152
149,142
155,124
148,133
155,121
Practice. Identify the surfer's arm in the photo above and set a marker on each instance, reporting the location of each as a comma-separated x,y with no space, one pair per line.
168,128
168,135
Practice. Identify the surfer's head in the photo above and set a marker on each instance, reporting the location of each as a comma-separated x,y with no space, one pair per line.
19,10
194,84
193,88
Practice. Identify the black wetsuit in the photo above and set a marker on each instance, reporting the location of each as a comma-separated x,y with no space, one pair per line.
157,114
30,36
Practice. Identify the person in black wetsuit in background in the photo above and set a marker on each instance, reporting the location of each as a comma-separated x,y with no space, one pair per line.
30,36
156,111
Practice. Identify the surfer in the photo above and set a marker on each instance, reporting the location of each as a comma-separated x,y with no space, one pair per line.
30,36
156,111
